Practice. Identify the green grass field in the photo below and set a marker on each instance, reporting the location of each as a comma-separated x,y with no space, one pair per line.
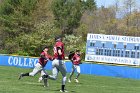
9,83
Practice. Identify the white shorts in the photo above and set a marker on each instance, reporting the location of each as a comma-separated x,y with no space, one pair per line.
76,67
59,65
38,68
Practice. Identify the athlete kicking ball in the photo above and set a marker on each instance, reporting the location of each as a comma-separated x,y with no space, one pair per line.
39,67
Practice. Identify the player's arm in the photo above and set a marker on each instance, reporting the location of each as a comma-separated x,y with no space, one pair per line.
43,56
59,50
50,58
74,59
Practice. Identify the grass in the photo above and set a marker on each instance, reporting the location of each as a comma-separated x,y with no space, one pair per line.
9,83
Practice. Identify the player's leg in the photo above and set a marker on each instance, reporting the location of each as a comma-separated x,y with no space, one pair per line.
37,69
40,78
62,69
42,72
78,73
72,72
22,75
55,70
44,76
54,75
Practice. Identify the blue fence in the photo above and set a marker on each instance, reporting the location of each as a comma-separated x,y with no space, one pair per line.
86,68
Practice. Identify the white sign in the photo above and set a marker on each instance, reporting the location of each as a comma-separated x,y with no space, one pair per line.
114,38
113,49
22,62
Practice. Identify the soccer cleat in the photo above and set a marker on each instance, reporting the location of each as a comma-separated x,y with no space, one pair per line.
69,81
20,76
76,80
63,91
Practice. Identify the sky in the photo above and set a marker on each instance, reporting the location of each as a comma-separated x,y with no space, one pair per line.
107,3
104,2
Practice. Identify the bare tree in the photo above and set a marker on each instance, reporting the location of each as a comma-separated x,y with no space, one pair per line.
128,7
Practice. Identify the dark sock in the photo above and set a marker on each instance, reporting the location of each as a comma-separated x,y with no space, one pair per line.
63,87
45,76
26,74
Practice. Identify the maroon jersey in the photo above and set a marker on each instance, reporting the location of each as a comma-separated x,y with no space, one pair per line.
76,59
44,61
61,46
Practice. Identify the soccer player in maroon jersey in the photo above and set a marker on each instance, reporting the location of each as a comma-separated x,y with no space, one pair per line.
58,63
76,60
39,67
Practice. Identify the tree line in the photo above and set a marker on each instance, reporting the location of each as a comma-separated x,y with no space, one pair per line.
27,25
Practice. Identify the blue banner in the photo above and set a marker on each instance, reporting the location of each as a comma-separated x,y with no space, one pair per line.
86,68
20,61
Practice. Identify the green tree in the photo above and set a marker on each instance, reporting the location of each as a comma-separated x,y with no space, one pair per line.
15,16
27,25
89,5
72,43
67,14
15,20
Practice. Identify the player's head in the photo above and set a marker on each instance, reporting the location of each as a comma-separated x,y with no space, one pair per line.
71,52
58,38
77,52
59,47
46,48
